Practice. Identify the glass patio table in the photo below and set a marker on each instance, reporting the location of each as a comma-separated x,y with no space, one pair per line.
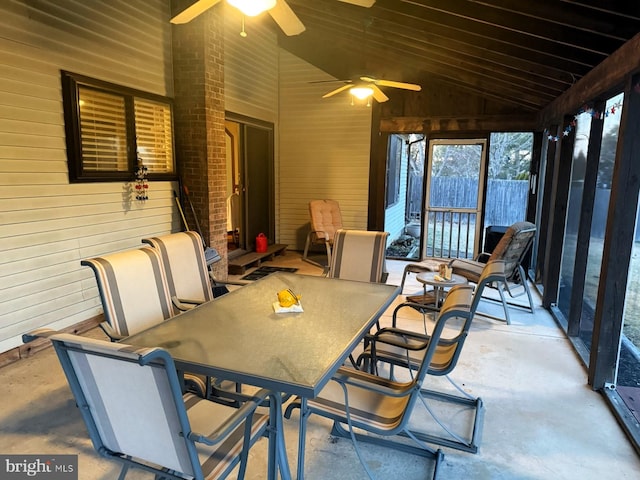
239,337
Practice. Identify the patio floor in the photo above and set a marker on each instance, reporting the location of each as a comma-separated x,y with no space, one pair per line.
542,420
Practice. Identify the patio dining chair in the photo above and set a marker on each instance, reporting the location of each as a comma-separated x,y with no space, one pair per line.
136,414
186,268
381,407
135,295
134,290
359,255
405,348
326,219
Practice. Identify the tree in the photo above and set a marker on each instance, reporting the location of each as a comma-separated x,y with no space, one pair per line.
510,155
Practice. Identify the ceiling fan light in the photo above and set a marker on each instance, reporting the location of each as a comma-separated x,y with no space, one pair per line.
361,93
251,8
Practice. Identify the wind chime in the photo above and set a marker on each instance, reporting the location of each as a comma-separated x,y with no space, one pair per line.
142,186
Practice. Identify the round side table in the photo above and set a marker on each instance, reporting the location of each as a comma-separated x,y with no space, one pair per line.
436,297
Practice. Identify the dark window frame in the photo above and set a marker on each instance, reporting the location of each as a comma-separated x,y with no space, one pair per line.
71,105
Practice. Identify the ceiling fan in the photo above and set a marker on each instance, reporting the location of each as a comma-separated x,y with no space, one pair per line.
369,87
279,10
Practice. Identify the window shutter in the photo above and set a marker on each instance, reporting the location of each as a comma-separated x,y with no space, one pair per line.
103,131
154,137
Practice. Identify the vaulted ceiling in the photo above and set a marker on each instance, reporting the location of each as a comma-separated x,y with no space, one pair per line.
520,52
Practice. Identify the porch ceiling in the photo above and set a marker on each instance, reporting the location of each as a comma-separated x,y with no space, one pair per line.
520,52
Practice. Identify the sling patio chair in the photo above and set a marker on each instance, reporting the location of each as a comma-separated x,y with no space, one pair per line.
326,219
382,407
136,414
404,348
134,290
188,277
135,295
186,268
359,255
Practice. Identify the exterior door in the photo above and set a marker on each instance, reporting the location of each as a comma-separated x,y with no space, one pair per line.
250,186
453,198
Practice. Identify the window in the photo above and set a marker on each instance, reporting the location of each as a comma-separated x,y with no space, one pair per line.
394,160
111,130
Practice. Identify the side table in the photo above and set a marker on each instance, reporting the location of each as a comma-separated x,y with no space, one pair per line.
437,295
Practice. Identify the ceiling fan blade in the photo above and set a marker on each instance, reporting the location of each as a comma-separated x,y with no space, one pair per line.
405,86
390,83
193,11
360,3
379,94
286,19
337,90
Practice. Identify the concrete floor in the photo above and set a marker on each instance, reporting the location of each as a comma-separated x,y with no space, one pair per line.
542,421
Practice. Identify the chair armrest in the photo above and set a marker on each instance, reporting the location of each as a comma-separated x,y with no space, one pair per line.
483,257
33,335
421,307
111,333
217,282
184,304
422,340
416,268
368,381
321,234
234,420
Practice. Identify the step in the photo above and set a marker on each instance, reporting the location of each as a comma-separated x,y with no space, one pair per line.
239,265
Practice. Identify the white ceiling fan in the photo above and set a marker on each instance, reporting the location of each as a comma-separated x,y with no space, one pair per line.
369,87
279,10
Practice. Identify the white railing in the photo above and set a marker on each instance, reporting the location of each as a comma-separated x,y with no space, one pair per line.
450,232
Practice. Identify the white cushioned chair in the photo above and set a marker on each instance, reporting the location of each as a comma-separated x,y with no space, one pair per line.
326,219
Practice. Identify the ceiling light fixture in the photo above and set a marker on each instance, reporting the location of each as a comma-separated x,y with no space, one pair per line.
361,93
251,8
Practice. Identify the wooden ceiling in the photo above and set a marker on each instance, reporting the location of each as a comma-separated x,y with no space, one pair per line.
520,52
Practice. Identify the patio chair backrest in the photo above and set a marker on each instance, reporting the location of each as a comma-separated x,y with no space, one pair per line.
326,218
185,265
513,246
359,255
457,304
130,400
133,288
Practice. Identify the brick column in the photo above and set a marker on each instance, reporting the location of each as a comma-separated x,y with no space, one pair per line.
198,70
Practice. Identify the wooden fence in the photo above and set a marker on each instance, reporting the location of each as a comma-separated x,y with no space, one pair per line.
506,199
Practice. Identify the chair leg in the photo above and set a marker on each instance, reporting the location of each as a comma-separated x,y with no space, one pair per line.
305,253
525,284
453,440
505,305
307,244
424,451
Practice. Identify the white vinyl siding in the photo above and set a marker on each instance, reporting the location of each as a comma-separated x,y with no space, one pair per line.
394,216
47,224
324,150
250,67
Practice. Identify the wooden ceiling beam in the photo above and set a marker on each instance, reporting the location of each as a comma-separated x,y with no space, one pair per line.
614,70
408,57
623,8
469,81
573,15
428,29
536,28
